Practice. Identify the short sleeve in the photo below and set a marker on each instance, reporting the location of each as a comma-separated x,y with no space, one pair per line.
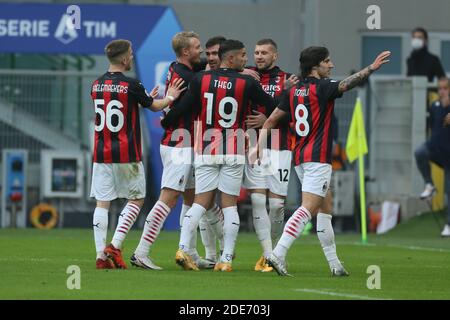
284,101
329,89
137,90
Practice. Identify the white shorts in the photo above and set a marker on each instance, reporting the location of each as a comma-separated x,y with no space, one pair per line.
254,177
315,177
227,177
178,171
280,167
118,180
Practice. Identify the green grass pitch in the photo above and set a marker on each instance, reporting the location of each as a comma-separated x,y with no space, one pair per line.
414,263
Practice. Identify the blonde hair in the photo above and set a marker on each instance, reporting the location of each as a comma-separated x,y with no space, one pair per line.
116,49
182,40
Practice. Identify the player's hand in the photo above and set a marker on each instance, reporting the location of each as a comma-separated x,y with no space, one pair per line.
380,60
176,88
447,120
247,142
155,92
255,120
252,73
253,155
290,82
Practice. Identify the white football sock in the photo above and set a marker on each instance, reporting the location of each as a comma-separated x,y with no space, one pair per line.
215,219
294,226
184,209
276,215
100,224
190,225
127,218
261,222
230,232
193,244
208,238
325,234
152,227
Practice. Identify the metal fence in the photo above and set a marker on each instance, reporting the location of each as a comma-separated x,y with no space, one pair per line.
54,100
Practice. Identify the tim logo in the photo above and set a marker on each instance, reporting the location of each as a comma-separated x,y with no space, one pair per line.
161,70
69,24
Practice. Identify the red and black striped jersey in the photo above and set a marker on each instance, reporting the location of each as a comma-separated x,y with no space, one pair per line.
310,104
117,127
184,121
272,81
222,100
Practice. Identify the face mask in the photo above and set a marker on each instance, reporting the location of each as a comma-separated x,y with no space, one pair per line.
417,43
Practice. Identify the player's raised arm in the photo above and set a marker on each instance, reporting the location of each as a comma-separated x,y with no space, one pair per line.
361,76
173,92
255,120
183,105
274,118
252,73
270,123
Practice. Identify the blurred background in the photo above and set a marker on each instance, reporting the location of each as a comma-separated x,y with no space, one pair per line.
46,112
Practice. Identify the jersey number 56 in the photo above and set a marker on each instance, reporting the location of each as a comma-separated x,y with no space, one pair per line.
106,117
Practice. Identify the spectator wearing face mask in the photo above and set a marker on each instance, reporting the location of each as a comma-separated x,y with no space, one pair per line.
421,62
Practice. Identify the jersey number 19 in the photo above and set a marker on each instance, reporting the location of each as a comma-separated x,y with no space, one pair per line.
228,119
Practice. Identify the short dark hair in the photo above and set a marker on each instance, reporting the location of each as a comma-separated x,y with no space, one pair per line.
421,30
229,45
267,41
311,57
116,48
215,40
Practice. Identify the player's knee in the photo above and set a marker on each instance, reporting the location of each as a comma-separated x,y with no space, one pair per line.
206,199
103,204
327,206
188,197
276,205
138,202
169,197
228,200
258,201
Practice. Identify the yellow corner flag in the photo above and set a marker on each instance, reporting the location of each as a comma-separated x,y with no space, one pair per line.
356,139
356,148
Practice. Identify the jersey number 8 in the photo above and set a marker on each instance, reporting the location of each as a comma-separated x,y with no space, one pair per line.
228,119
301,119
106,118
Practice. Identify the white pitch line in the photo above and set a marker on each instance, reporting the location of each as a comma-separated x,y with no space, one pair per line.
336,294
414,248
24,259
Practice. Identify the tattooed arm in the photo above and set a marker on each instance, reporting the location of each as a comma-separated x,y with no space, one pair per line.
359,77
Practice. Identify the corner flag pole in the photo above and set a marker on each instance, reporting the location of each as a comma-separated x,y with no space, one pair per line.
362,195
356,148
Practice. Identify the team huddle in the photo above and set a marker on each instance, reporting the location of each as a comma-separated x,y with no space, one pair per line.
226,126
